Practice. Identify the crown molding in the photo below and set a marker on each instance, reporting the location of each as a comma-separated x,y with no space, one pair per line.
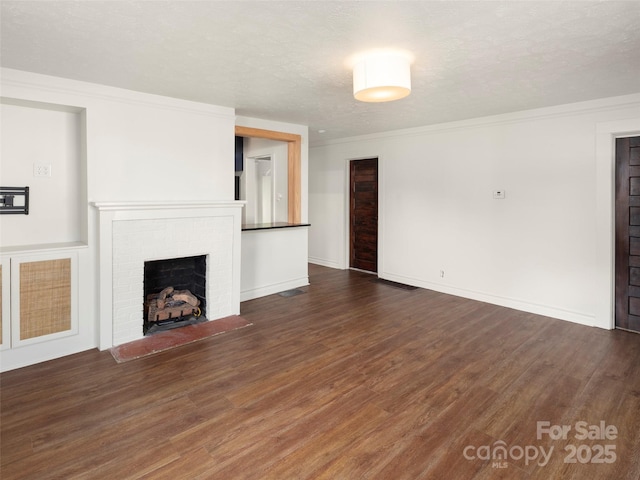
80,91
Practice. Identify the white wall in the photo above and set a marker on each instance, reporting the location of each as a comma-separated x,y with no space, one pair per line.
142,147
535,250
273,260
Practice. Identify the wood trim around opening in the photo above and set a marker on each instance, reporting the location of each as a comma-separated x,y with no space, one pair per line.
293,161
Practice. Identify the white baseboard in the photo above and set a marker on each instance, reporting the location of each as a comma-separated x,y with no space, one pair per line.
13,358
273,288
325,263
538,309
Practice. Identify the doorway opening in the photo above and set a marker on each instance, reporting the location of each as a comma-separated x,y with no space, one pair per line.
294,152
257,188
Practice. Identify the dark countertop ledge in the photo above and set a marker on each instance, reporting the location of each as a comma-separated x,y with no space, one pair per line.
270,226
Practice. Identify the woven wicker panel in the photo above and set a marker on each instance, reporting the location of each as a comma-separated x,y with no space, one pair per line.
45,297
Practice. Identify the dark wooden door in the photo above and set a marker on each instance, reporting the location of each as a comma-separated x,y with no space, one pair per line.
364,214
628,234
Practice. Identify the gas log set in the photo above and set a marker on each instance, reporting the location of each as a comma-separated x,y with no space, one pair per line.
171,306
174,293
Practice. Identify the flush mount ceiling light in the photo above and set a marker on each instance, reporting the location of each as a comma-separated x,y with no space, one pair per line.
381,76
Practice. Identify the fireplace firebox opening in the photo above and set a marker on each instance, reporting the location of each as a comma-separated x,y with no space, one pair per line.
174,293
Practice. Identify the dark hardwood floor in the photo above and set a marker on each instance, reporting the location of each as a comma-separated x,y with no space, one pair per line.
353,379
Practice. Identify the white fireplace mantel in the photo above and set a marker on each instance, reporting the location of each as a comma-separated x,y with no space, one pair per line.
163,205
134,232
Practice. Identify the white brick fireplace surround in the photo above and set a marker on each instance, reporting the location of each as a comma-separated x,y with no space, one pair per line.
134,232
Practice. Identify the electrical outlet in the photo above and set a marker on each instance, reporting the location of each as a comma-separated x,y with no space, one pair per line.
441,273
41,170
498,194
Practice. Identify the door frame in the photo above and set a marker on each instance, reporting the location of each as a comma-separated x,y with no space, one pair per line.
347,211
606,134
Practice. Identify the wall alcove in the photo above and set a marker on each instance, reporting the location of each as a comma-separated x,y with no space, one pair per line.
44,147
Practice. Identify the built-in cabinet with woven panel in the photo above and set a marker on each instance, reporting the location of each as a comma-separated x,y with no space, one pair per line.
39,297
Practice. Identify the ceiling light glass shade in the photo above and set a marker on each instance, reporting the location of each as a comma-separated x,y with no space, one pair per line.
382,77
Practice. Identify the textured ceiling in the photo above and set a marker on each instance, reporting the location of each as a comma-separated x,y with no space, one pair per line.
286,60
